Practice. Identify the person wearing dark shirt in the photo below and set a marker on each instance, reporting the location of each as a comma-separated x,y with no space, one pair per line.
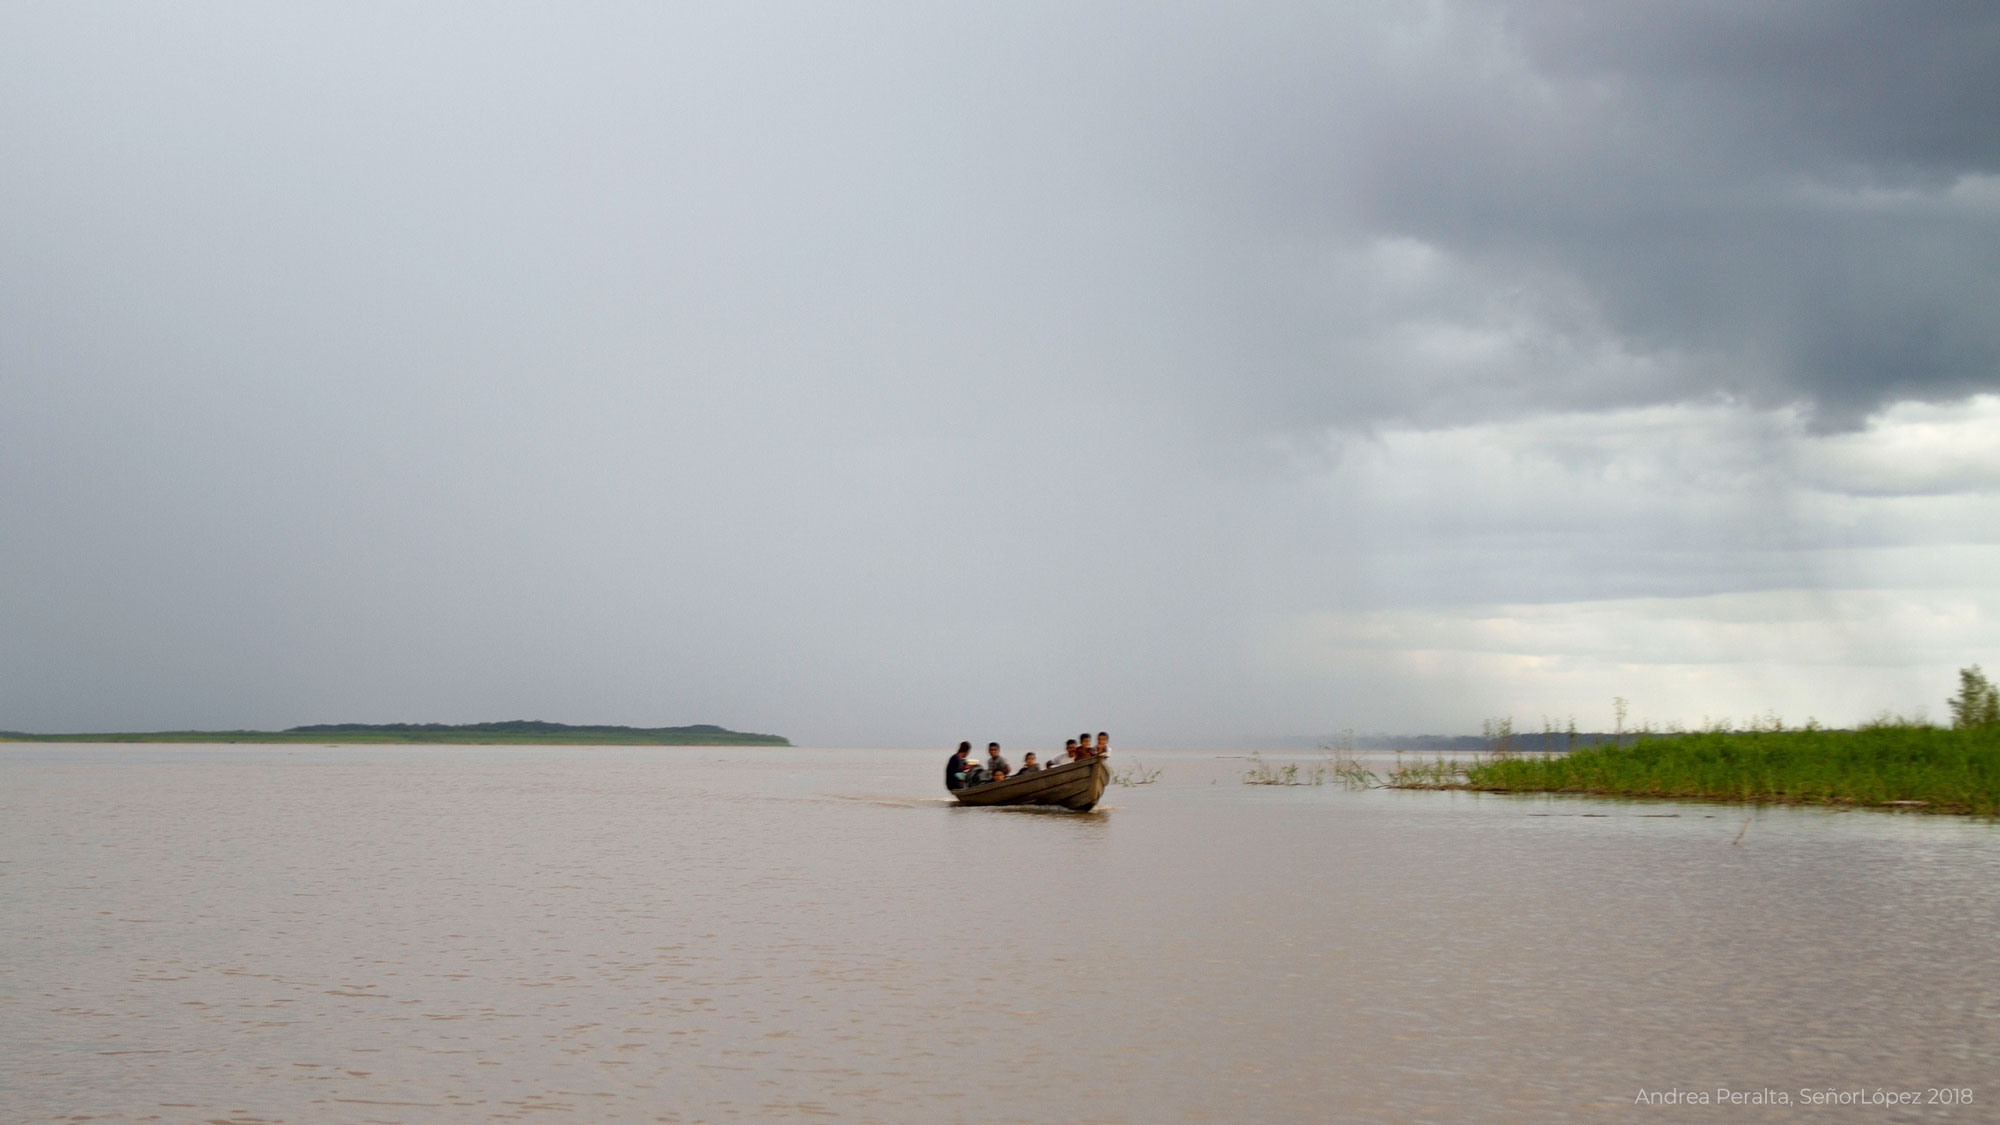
1028,764
958,766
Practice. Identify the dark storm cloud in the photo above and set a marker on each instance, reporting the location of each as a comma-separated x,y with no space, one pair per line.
1831,138
1841,82
1783,203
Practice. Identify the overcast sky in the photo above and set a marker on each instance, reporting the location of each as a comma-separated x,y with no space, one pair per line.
901,373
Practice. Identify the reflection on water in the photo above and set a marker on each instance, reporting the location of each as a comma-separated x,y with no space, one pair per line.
698,934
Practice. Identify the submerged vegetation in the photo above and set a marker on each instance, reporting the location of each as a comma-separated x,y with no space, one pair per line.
515,732
1263,773
1136,775
1340,765
1343,768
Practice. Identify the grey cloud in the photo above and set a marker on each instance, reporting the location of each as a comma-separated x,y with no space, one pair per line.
1843,83
850,370
1702,208
1684,167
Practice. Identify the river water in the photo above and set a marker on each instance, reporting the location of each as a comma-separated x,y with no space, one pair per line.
398,934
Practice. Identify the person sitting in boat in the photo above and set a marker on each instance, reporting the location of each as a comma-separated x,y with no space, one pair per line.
996,766
959,767
1029,765
1103,743
1069,751
1083,745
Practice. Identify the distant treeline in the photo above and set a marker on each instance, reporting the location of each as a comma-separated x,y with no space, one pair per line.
1474,744
514,731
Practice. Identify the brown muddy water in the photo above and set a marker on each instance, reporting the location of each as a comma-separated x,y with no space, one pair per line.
396,934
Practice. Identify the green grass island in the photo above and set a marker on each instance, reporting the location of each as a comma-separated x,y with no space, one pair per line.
515,732
1889,765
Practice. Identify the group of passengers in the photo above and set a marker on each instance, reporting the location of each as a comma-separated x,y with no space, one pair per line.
961,772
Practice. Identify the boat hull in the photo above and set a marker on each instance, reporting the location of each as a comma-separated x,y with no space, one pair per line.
1071,785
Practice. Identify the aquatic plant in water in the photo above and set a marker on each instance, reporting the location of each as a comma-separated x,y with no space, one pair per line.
1438,773
1343,768
1263,773
1351,773
1137,775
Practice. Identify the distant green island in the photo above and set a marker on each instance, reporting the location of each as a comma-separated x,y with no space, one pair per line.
518,731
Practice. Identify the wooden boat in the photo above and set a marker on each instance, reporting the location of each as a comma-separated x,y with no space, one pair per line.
1072,785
